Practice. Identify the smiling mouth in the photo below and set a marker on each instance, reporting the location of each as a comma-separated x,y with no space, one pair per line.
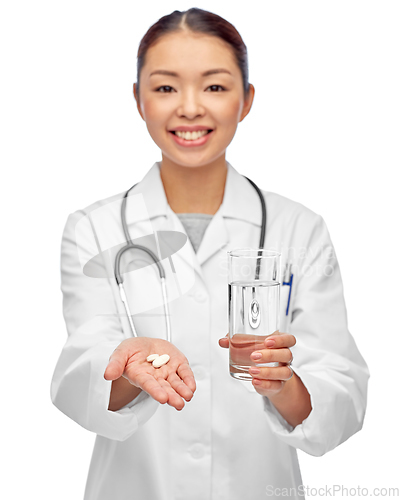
191,136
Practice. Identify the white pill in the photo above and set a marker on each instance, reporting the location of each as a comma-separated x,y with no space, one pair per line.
160,361
152,357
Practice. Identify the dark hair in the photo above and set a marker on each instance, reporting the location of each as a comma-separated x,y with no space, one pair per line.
198,21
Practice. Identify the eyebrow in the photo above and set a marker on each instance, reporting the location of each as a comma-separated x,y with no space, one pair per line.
206,73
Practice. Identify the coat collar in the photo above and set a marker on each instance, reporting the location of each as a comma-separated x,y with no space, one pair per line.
240,202
244,207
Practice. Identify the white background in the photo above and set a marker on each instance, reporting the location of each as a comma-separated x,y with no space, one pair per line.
324,131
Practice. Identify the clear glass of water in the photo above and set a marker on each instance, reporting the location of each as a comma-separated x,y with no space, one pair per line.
253,295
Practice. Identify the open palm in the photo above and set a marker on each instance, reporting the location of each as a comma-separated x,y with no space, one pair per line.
172,383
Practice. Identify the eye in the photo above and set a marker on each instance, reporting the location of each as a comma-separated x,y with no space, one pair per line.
214,88
165,89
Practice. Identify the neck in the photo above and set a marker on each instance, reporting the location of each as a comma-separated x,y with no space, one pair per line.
194,189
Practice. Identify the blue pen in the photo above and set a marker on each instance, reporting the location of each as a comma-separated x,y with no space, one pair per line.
289,284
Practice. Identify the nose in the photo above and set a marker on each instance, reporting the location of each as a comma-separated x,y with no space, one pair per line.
190,105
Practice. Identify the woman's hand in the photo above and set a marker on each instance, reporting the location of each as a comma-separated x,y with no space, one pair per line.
172,383
270,381
279,384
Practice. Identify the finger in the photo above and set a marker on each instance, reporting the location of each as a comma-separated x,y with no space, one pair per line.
116,364
283,355
267,387
186,374
152,386
271,373
173,398
180,387
280,340
224,342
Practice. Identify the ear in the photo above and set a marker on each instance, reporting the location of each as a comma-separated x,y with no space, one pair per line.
248,102
135,94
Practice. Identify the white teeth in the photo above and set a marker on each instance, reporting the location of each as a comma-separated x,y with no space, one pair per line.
191,136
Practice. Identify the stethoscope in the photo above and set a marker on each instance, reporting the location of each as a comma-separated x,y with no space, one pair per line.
130,245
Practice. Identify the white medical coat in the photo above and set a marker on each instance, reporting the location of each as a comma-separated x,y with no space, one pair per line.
229,442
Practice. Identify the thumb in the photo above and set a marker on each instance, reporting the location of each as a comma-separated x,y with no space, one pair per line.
116,365
224,342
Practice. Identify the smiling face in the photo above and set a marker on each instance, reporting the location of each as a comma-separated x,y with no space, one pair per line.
191,82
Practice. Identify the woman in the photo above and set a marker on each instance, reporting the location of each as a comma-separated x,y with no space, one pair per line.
229,439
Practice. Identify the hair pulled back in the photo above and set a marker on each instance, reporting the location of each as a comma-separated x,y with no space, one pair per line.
198,21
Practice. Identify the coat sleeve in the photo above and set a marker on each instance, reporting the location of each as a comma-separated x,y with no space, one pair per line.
94,328
325,356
